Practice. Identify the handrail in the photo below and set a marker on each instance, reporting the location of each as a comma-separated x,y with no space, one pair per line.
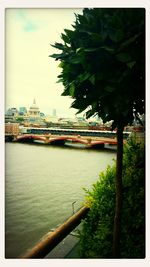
41,249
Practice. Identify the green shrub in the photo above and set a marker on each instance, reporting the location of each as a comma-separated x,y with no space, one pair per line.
96,236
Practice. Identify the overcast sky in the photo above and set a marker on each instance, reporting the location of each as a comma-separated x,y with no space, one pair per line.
30,72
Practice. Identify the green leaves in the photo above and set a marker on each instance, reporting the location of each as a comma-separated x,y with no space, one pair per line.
101,60
123,57
89,113
91,49
116,35
72,90
65,38
58,46
92,79
96,38
109,89
101,199
59,56
61,64
131,64
79,49
132,39
108,49
82,77
69,34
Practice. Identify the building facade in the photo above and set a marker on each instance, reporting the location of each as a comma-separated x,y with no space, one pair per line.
22,111
34,110
11,128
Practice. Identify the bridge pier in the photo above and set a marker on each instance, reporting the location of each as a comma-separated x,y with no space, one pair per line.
99,146
89,140
47,139
15,138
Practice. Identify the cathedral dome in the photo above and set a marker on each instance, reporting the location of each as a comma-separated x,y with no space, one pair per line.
34,109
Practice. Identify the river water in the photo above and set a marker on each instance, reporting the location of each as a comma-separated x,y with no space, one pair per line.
41,183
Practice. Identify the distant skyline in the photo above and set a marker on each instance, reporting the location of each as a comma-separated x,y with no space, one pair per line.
30,72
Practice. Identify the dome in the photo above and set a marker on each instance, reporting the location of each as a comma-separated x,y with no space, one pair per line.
34,109
34,106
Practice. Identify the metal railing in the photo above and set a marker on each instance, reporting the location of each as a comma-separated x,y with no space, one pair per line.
41,249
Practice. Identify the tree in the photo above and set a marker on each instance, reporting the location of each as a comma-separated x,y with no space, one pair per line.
20,119
103,70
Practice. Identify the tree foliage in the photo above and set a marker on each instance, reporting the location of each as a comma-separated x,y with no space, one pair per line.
103,70
102,61
96,234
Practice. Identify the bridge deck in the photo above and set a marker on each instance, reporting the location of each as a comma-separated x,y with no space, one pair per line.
86,141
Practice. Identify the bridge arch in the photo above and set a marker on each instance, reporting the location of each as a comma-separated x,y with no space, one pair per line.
29,138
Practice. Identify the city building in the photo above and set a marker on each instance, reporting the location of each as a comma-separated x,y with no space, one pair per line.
42,114
12,112
22,111
11,128
54,113
34,110
33,116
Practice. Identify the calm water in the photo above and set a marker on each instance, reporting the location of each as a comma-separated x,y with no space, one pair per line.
41,184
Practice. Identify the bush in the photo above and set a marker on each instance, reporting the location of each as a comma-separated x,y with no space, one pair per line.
96,236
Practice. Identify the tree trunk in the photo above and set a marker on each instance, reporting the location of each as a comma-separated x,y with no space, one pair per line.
118,184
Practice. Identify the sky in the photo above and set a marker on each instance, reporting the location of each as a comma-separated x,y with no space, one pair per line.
29,71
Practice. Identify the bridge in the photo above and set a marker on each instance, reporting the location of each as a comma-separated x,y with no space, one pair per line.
69,140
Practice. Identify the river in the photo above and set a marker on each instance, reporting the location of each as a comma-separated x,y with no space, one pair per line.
41,183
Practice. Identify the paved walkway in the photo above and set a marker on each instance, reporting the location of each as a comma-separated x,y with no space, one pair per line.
65,249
